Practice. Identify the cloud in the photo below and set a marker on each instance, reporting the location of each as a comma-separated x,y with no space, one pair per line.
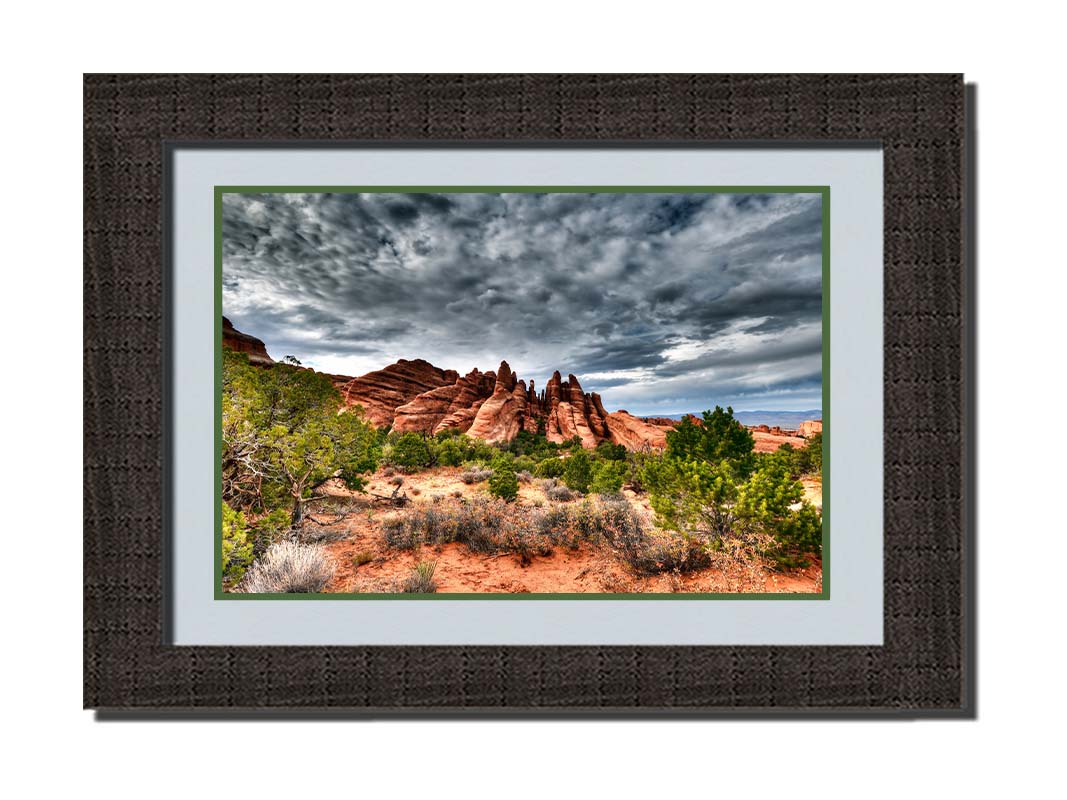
665,303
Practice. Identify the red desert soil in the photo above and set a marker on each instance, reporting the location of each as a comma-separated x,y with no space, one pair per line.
564,571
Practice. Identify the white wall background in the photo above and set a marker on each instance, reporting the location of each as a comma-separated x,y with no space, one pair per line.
1014,54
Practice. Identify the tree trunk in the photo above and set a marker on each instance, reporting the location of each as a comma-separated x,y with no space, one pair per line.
298,511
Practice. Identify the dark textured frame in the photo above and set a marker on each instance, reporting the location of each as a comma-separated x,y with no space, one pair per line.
926,666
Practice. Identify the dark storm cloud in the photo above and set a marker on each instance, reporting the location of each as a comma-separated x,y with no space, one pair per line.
665,303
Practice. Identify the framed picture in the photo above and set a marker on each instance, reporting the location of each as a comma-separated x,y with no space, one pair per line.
527,393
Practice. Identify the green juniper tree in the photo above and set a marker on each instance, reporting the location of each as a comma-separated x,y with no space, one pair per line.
503,482
710,484
284,434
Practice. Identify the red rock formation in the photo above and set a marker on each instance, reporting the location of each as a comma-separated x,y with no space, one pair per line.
233,339
382,392
770,442
494,407
417,396
660,422
635,434
239,342
425,411
503,415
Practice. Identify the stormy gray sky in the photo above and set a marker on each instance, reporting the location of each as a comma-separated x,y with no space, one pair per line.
663,303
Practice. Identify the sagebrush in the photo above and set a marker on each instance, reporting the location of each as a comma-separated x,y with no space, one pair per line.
289,568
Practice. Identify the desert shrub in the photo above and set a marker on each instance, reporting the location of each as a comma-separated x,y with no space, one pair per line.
524,476
668,554
411,451
484,525
588,521
388,472
636,462
289,567
475,475
550,468
449,452
479,450
362,557
269,529
718,502
807,460
561,494
607,477
439,524
452,449
615,521
421,581
553,522
397,480
236,545
490,525
533,446
610,451
503,483
523,464
578,471
401,535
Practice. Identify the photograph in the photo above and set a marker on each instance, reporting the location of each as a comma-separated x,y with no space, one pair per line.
522,392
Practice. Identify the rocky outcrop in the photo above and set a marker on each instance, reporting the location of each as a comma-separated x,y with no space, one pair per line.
382,392
504,413
809,428
660,422
454,406
770,441
495,406
233,339
635,434
569,412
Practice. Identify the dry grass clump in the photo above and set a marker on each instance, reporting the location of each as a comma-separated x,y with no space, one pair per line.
362,557
475,475
556,491
524,476
289,567
669,553
421,581
478,523
644,551
561,494
490,525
